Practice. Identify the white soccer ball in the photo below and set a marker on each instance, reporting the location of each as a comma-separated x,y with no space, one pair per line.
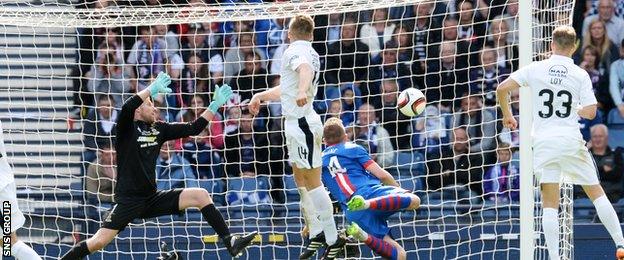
411,102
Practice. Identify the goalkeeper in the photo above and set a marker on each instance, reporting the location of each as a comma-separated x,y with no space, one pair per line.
373,195
139,138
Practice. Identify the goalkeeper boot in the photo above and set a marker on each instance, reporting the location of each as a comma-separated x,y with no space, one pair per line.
619,253
333,251
356,232
357,202
236,244
313,245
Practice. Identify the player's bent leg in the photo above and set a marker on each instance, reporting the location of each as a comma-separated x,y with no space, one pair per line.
401,254
200,198
21,251
392,202
316,238
322,203
380,246
607,216
98,241
550,220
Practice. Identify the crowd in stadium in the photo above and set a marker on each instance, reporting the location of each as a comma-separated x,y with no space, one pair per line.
456,52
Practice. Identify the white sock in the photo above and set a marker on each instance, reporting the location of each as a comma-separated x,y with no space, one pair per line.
609,219
309,213
550,225
326,213
21,251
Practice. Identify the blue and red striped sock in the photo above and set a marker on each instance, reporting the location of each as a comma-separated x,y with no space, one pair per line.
381,247
390,203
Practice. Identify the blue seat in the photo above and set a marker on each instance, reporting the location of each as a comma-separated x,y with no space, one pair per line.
616,129
290,188
410,163
248,191
411,184
583,209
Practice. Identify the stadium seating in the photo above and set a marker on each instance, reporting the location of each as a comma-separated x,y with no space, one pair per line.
616,129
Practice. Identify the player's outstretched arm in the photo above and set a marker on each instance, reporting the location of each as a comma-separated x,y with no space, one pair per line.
502,95
588,112
272,94
384,176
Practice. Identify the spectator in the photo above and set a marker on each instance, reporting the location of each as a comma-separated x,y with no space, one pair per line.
169,37
197,45
334,109
480,125
389,68
277,35
374,137
454,170
350,102
590,62
235,56
111,44
172,170
328,30
507,51
595,36
426,32
591,8
251,78
215,129
616,81
147,58
608,161
465,52
501,182
472,25
446,79
431,131
377,33
347,59
395,123
101,176
246,152
485,78
606,14
107,78
193,80
99,126
404,38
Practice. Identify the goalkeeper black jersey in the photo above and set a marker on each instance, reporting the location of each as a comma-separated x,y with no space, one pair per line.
138,146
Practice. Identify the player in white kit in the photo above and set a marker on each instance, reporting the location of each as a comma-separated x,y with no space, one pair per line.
562,92
19,249
304,134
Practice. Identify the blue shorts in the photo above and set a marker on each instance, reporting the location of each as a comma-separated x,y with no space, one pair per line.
374,222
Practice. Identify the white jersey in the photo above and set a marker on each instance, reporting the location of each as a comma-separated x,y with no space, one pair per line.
559,88
6,174
299,52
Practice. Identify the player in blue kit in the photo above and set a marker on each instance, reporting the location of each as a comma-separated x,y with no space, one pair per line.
367,193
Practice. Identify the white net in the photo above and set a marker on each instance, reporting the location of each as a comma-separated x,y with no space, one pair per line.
67,66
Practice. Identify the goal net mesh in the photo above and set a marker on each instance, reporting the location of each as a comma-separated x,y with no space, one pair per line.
67,66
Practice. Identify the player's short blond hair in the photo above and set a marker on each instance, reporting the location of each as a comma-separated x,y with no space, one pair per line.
301,27
333,131
564,37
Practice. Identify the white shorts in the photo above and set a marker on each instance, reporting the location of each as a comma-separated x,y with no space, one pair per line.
304,137
8,194
564,160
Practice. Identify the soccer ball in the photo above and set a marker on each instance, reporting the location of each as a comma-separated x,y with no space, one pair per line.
411,102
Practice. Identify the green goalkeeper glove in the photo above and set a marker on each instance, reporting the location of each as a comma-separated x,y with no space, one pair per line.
221,95
160,85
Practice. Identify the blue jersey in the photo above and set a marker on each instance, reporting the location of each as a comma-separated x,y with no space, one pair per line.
344,171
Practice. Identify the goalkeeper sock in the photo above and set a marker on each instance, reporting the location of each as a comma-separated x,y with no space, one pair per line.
325,211
381,247
77,252
609,219
215,219
22,251
309,213
550,225
389,203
